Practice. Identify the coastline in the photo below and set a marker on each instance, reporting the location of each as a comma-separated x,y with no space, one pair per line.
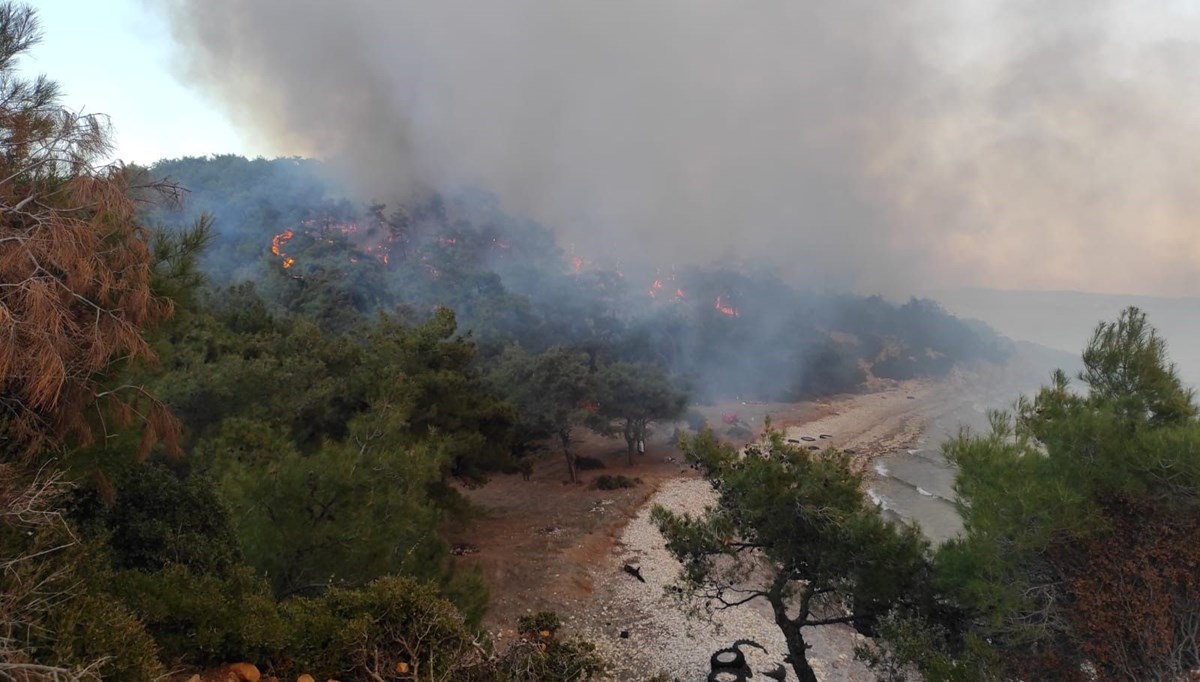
660,635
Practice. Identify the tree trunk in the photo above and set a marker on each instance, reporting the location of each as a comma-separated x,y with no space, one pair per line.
798,651
791,628
564,437
630,439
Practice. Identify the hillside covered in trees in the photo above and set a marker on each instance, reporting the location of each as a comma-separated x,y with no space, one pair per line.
725,330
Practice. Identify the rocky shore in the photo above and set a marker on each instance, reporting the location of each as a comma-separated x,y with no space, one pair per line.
660,637
644,631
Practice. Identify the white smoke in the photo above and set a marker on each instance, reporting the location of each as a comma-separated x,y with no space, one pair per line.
882,145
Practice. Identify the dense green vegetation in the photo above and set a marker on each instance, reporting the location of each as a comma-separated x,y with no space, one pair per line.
1082,528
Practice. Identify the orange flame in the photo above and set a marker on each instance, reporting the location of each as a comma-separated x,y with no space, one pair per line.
279,240
655,288
725,309
679,293
577,263
277,243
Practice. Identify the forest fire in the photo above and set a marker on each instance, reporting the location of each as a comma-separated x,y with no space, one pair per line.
277,243
725,309
658,286
367,240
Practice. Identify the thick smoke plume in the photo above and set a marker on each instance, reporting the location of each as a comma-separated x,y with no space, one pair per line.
892,146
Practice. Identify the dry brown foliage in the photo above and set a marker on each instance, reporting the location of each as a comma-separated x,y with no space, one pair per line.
75,268
1134,595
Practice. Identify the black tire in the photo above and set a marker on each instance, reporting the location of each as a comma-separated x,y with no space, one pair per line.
727,659
807,439
727,676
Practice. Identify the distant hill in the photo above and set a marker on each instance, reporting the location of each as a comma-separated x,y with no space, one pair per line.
1064,320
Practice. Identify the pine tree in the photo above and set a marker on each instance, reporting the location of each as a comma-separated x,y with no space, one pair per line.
76,266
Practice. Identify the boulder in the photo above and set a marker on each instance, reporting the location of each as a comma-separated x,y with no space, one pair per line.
244,672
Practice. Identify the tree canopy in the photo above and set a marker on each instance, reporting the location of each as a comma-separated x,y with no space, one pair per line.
1082,526
791,527
554,392
635,394
76,271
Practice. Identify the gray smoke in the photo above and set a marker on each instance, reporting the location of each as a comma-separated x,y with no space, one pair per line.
893,146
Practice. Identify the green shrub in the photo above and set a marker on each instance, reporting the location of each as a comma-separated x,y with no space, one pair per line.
317,641
159,519
542,621
204,619
403,630
94,628
468,591
607,482
588,463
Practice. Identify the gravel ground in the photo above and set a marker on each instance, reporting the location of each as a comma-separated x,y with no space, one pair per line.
661,636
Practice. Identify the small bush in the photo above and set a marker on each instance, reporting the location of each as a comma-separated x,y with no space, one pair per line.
467,590
542,621
539,655
403,630
607,482
92,628
588,463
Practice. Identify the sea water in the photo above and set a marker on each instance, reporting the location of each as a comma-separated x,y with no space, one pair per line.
916,484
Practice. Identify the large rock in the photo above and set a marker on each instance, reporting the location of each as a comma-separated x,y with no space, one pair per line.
244,672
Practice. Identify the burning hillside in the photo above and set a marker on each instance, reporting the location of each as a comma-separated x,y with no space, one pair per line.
509,283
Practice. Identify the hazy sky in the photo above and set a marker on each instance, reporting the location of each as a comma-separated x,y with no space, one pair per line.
878,145
116,57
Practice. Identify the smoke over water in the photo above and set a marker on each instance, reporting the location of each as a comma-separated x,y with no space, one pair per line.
869,145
